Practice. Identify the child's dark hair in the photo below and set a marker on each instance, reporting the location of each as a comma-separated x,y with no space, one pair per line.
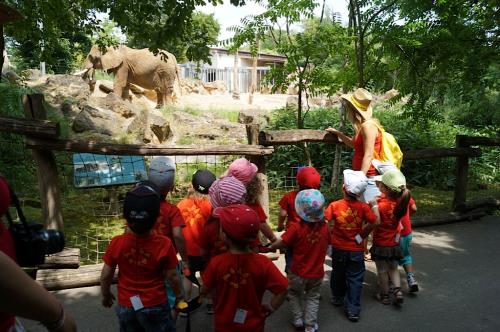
403,198
242,246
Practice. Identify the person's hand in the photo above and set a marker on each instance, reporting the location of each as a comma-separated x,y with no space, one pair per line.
280,227
108,299
69,324
332,130
268,308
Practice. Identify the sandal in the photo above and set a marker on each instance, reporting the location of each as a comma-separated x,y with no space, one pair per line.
398,295
383,298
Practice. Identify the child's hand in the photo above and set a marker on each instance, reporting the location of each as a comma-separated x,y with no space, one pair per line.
108,300
268,308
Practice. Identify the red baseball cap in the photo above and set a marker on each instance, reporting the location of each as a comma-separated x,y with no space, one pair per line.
239,221
4,196
308,178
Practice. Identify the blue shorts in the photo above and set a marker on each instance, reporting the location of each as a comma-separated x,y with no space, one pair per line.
151,319
404,243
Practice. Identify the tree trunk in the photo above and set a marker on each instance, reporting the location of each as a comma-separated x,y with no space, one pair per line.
338,154
236,92
253,87
2,47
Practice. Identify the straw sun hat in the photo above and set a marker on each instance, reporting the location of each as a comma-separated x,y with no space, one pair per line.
360,100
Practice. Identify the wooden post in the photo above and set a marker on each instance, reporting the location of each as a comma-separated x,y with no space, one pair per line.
462,172
260,161
46,169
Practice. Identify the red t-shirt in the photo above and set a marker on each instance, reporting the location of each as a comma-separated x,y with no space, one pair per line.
141,261
359,152
385,233
169,218
8,248
348,217
210,241
195,213
309,242
239,281
287,203
405,220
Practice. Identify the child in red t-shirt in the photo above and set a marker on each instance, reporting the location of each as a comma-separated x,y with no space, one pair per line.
348,216
246,172
170,221
405,243
307,178
195,209
143,259
240,277
386,252
309,239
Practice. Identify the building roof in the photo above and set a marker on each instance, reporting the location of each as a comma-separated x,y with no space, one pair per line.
8,14
247,54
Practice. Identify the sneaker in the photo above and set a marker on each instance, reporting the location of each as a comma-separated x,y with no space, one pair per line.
352,317
412,283
210,308
337,302
314,328
298,324
183,314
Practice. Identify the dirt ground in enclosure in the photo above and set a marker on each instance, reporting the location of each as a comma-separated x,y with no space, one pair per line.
225,101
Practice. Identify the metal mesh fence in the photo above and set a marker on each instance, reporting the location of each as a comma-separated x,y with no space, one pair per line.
92,215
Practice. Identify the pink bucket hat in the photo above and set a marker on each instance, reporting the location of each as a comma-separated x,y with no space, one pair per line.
227,191
243,170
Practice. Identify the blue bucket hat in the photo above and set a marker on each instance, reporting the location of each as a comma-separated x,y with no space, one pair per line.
309,205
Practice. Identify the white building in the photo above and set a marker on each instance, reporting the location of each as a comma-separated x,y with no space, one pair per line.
222,68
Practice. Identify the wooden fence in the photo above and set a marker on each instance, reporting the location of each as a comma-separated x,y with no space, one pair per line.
42,137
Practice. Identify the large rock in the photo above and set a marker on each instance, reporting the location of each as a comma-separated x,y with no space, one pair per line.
98,120
60,88
138,128
215,87
120,106
160,127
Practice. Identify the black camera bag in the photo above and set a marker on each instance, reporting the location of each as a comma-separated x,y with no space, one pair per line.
30,249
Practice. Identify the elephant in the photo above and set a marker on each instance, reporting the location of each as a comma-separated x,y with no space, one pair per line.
139,67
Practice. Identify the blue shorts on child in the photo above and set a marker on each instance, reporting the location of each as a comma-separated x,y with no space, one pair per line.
151,319
404,243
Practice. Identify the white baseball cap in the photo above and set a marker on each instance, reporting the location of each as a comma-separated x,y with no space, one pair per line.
162,173
355,182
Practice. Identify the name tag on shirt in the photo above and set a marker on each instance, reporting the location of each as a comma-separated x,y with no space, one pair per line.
136,302
358,239
240,316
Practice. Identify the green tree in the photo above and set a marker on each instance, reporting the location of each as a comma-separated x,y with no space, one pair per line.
314,53
53,31
193,45
106,35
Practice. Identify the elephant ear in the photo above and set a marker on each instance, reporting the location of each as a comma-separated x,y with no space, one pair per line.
112,59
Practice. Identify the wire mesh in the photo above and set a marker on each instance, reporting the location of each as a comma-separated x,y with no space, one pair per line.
93,215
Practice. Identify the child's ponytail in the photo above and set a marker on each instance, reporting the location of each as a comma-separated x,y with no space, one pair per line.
402,205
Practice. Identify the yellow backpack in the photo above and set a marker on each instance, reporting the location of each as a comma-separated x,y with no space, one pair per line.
389,150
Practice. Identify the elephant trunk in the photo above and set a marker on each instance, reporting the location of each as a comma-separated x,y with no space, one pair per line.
89,76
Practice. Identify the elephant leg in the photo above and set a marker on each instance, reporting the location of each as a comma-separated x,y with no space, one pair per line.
169,95
120,85
159,99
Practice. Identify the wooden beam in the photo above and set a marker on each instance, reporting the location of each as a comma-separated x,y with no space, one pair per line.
145,150
32,127
69,258
486,141
447,218
441,152
87,275
294,136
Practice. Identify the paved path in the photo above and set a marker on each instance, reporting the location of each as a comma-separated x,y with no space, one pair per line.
457,268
